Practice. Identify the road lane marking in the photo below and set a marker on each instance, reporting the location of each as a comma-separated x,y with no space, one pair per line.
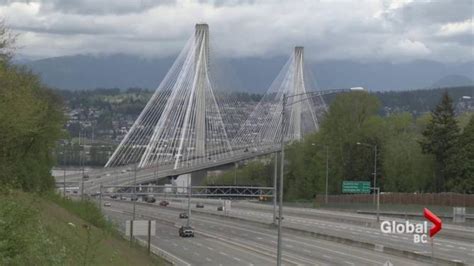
237,259
223,253
348,262
208,259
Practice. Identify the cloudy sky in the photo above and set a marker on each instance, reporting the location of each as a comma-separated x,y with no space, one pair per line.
371,30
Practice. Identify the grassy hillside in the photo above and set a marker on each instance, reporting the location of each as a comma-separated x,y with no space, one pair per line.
37,231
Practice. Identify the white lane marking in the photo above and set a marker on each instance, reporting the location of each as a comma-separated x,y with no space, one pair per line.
237,259
259,238
174,244
223,253
450,246
208,259
463,248
198,244
210,248
348,262
327,257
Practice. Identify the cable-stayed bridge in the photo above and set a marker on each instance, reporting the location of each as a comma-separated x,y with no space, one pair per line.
182,130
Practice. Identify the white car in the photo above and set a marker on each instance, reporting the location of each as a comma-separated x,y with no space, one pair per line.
107,204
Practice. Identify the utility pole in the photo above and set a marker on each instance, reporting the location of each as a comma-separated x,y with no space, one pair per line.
81,163
375,165
375,172
275,174
64,168
189,201
235,173
327,173
282,162
135,198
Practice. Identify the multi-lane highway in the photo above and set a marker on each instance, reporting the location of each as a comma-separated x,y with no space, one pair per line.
341,231
226,241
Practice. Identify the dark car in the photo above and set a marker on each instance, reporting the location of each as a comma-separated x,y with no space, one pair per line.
200,205
220,208
150,199
164,203
186,231
183,215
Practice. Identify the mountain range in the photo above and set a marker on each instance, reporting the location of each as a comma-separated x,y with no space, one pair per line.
247,74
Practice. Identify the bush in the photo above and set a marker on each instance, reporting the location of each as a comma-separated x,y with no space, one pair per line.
23,239
87,210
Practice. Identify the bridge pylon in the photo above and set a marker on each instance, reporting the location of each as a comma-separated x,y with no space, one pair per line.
181,125
263,126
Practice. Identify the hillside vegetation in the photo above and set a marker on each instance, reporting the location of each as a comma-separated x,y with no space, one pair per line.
36,231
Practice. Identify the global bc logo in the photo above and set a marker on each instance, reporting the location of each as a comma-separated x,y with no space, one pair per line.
419,230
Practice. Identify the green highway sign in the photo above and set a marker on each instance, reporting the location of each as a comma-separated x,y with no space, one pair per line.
356,187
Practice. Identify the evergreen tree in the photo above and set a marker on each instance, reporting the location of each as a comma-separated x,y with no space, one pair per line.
440,139
463,161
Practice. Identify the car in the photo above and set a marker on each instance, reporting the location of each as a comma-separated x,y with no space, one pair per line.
150,199
186,231
164,203
107,204
183,215
134,198
199,205
220,208
113,196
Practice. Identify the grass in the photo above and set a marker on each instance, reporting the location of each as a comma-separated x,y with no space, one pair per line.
36,230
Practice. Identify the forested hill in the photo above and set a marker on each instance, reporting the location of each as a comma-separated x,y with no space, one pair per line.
421,101
132,100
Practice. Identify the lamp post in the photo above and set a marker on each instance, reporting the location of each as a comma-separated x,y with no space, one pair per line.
327,169
375,162
282,155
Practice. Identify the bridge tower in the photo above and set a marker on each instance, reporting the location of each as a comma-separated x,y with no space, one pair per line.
201,59
264,126
298,88
181,125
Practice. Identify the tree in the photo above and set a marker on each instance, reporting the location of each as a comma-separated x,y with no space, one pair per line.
406,169
463,161
440,139
31,122
352,118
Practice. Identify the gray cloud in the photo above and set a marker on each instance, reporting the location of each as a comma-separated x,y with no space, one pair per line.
361,30
436,11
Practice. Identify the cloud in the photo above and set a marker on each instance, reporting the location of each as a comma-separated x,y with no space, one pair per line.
361,30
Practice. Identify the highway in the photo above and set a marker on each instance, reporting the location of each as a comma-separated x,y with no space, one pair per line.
350,226
222,240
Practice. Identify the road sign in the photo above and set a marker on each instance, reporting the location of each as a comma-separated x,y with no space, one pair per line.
140,228
356,187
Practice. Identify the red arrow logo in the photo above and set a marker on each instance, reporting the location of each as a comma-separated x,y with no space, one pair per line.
437,224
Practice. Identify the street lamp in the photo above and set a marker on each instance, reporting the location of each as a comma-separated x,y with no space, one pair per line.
282,156
327,169
375,161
